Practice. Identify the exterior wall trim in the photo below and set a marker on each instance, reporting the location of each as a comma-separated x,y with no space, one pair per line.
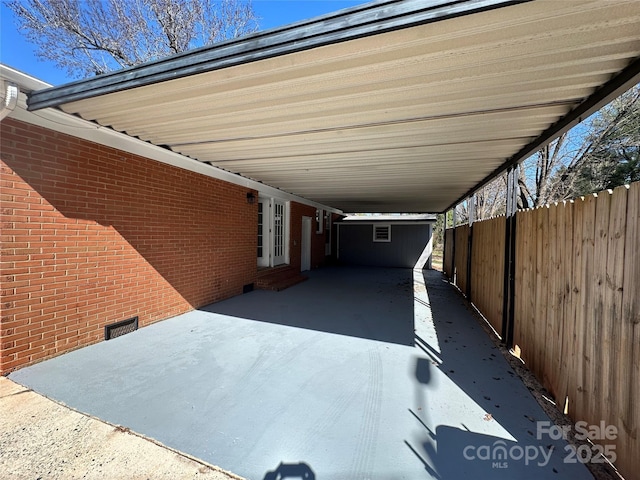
385,222
59,121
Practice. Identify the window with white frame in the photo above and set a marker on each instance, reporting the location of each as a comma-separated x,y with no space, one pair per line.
260,229
382,233
279,227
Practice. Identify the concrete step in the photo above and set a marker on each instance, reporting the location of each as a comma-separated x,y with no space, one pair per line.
279,279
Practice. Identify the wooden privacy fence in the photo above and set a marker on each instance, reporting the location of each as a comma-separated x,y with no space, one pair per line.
487,269
576,304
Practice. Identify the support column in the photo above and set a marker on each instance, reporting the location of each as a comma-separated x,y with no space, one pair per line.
444,241
508,304
471,204
452,279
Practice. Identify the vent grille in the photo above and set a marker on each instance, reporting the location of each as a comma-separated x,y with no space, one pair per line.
120,328
382,233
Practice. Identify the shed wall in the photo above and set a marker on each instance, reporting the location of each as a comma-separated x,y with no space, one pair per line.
356,245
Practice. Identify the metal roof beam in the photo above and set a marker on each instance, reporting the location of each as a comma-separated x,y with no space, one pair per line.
356,22
611,90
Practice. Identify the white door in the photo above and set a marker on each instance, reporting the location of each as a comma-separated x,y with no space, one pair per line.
278,232
305,245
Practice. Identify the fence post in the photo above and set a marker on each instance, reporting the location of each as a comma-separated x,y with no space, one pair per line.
471,203
508,298
453,248
444,243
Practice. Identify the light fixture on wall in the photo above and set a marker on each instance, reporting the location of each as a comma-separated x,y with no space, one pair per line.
251,197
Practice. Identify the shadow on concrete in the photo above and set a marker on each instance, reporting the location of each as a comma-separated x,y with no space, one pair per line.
362,372
167,243
285,471
354,301
503,440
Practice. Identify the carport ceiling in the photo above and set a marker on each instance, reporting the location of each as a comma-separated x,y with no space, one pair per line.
387,107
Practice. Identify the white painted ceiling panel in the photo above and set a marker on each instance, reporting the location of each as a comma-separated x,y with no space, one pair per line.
407,120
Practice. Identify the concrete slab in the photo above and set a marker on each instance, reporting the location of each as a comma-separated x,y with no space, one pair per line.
43,439
358,373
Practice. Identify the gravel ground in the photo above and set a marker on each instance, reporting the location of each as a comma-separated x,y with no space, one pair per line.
41,439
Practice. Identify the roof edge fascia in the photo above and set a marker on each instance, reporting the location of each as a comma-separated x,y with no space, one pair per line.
355,22
385,222
59,121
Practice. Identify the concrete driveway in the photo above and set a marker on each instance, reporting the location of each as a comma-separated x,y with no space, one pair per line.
358,373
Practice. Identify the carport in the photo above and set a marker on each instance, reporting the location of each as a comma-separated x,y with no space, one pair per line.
391,106
388,107
358,373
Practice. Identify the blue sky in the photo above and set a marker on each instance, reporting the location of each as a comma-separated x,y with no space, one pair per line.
16,52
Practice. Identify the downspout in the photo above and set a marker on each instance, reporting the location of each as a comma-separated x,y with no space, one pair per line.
9,99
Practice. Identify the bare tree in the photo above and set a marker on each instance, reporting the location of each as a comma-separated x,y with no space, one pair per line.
537,181
601,153
491,200
89,37
611,153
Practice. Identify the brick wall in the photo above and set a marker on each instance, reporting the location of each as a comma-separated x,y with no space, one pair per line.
92,235
295,238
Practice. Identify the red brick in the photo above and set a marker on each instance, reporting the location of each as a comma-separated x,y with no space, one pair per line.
101,235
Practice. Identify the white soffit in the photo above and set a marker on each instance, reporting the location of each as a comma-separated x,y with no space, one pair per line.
407,120
58,121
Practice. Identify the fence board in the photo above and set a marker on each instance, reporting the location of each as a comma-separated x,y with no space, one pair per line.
540,339
487,269
599,277
612,309
447,264
526,274
461,255
577,304
567,327
526,255
550,265
574,388
586,304
628,388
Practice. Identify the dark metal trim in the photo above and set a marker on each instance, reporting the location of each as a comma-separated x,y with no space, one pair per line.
469,253
471,204
356,22
615,87
452,278
512,284
444,243
508,294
